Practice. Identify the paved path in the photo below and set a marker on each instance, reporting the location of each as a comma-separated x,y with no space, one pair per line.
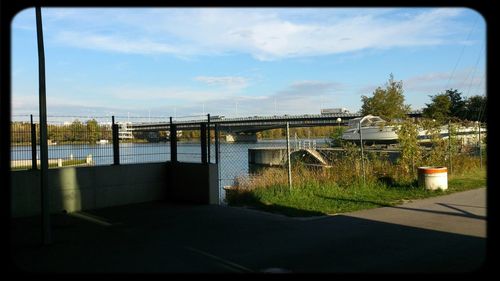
441,234
461,213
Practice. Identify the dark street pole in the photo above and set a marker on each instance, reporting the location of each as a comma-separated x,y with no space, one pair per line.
46,233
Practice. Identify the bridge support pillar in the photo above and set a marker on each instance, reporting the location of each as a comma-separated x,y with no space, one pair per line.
236,137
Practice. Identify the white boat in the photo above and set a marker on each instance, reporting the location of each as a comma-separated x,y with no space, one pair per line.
466,134
375,130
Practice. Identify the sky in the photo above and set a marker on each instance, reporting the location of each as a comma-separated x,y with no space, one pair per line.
240,62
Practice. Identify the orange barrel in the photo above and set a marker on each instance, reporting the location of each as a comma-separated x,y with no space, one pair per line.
433,177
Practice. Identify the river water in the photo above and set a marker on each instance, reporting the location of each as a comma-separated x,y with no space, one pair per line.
233,161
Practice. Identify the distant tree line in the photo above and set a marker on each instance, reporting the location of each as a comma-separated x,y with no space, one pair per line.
302,132
388,103
75,132
451,105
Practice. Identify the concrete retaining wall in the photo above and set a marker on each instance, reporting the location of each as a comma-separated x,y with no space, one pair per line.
85,188
193,183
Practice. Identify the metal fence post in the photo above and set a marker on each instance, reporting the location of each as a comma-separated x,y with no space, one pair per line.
362,154
288,155
208,142
216,133
33,144
203,142
116,142
173,141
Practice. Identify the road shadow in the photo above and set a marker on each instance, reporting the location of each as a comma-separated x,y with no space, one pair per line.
159,237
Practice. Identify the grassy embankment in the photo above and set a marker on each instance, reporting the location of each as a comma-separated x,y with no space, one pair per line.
65,163
341,189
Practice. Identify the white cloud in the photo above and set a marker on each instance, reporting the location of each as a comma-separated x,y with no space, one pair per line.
266,34
155,95
116,43
308,89
437,82
231,83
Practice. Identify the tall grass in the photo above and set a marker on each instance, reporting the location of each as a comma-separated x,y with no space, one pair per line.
341,188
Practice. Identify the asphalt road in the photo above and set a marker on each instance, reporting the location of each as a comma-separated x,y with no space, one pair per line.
442,234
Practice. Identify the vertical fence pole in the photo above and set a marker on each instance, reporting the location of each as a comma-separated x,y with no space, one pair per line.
116,142
173,141
288,155
216,143
362,153
208,142
480,152
46,231
33,144
217,159
203,142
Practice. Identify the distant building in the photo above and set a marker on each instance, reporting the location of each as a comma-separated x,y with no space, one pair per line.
124,132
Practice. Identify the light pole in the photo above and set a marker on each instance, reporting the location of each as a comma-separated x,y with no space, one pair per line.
338,128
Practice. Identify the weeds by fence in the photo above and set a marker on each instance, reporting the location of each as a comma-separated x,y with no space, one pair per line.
346,166
317,154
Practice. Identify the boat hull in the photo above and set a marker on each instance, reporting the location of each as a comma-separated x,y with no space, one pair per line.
385,135
388,135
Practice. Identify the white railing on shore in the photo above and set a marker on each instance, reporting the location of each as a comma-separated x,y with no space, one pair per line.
304,144
59,161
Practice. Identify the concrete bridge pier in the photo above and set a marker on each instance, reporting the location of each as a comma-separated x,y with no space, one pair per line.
241,137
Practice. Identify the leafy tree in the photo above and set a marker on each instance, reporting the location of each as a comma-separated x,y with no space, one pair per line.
93,132
20,132
106,132
451,105
439,109
336,136
387,103
476,108
457,108
411,152
76,130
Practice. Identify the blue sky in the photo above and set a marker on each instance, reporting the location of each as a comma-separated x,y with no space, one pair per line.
241,61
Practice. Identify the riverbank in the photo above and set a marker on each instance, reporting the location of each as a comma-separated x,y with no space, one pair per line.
53,163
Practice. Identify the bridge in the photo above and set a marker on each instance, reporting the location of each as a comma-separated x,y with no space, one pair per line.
245,128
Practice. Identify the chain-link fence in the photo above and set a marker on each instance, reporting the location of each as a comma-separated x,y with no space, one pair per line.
244,155
249,159
248,154
143,145
90,141
71,141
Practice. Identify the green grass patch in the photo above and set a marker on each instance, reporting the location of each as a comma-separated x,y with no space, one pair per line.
472,179
313,197
65,163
